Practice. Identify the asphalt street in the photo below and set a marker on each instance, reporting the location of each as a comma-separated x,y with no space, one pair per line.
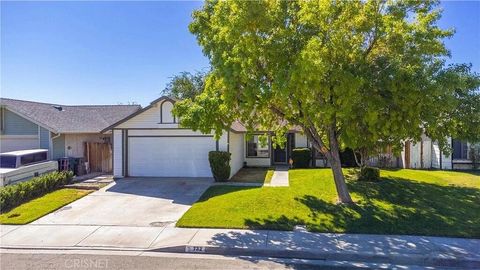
34,259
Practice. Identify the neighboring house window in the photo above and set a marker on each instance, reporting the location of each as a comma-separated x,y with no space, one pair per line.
256,149
460,149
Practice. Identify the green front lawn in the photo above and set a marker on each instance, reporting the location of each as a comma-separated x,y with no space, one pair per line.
39,207
253,175
404,202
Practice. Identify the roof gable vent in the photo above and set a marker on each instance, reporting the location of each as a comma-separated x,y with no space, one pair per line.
59,108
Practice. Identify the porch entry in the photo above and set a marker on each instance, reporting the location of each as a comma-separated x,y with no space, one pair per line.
281,155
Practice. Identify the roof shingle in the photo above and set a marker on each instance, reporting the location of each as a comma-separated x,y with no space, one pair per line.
71,118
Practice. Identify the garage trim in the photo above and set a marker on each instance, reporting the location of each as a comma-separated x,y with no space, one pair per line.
168,136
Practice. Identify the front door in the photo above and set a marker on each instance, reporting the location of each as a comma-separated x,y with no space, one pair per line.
280,154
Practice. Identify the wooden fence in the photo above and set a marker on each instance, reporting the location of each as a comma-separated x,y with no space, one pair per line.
99,156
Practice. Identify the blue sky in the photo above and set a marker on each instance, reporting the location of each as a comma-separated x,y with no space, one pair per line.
119,52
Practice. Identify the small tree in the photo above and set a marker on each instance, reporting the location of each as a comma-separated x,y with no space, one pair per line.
337,69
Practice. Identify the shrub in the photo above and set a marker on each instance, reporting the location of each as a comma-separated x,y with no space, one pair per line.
220,165
301,157
369,174
16,194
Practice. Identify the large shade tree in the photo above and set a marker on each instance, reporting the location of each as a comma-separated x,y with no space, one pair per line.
340,70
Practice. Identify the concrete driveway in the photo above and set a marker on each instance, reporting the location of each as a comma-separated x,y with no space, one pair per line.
132,202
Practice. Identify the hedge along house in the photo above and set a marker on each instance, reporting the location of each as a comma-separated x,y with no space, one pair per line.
62,129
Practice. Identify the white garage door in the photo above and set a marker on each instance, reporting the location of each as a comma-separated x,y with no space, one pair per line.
14,143
169,156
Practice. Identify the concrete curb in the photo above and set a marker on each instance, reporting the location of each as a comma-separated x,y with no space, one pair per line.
410,259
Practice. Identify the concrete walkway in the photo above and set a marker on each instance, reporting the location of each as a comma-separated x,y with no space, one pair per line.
280,177
410,250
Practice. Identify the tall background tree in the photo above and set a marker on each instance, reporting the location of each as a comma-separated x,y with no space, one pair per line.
341,70
185,85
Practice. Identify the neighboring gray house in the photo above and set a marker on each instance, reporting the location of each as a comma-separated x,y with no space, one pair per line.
62,129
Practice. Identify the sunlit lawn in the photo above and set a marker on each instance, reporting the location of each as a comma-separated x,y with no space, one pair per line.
404,202
37,208
253,175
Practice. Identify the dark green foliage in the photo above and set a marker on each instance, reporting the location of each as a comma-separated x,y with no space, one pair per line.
185,85
347,157
301,157
369,174
14,195
220,165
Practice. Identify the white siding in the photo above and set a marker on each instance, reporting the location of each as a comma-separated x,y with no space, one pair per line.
117,153
147,119
417,155
74,143
237,141
435,155
223,142
447,160
163,132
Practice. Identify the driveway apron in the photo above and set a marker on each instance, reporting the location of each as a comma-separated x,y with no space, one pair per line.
132,202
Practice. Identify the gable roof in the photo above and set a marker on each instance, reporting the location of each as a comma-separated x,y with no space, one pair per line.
237,126
69,118
122,120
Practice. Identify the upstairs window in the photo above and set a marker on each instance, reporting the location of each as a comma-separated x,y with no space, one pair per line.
460,149
256,149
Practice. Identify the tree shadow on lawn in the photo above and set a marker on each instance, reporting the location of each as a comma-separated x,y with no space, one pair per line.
391,206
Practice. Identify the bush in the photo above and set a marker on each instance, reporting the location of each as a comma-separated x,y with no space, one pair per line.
301,157
16,194
369,174
220,165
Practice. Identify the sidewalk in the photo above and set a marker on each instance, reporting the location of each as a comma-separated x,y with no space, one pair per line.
279,177
410,250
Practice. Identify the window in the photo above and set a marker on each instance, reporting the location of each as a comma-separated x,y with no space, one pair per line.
460,149
33,158
40,157
8,161
256,149
27,159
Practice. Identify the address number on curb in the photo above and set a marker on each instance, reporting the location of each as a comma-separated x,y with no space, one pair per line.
195,249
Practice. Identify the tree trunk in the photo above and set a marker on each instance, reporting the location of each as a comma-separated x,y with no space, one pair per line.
333,156
336,165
